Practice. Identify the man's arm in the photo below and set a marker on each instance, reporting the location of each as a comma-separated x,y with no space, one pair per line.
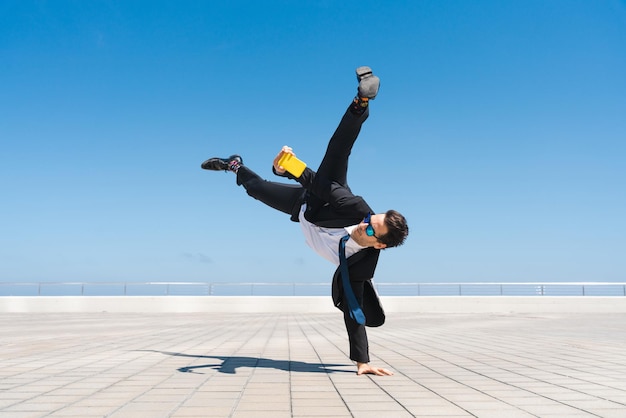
357,335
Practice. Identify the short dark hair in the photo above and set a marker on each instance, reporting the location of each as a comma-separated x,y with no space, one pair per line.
397,229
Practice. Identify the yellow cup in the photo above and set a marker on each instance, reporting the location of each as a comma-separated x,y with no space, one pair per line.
290,163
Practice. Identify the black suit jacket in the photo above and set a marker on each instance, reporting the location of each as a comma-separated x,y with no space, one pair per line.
332,205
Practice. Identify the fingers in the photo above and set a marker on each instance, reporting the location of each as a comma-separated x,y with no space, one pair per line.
284,150
379,371
386,372
276,159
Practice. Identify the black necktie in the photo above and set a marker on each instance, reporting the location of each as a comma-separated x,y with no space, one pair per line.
355,310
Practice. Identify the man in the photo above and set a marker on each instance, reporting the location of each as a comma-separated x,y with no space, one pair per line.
337,224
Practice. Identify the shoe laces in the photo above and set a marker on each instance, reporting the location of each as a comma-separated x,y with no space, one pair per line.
234,165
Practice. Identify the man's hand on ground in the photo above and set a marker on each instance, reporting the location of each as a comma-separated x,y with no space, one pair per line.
365,368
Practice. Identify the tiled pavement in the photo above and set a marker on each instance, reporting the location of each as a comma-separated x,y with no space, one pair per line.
295,365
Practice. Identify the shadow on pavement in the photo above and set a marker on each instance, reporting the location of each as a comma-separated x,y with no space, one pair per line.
229,364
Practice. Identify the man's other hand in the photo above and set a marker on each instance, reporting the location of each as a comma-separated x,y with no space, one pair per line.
285,150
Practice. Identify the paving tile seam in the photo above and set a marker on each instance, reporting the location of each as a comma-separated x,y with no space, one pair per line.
336,338
396,400
515,319
306,335
224,339
539,357
372,352
526,366
570,356
128,377
370,378
165,359
573,347
542,371
73,382
140,372
551,385
227,333
448,399
331,332
481,391
259,330
457,374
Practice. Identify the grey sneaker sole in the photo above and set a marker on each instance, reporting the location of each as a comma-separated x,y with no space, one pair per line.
368,82
362,72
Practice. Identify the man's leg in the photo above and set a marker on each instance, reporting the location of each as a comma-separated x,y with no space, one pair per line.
357,335
283,197
280,196
334,166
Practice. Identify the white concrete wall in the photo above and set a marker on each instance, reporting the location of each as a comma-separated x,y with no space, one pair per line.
505,304
312,304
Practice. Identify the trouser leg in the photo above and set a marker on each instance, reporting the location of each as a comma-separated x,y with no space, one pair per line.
280,196
357,335
334,166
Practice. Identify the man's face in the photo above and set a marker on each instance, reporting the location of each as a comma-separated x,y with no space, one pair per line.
359,235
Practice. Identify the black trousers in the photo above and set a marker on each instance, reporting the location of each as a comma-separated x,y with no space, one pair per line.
288,198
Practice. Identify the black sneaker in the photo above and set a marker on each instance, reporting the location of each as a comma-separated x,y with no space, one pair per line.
231,163
368,83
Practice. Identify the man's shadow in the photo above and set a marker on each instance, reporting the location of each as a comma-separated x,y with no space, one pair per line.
229,364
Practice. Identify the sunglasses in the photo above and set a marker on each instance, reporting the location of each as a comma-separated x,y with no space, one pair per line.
369,229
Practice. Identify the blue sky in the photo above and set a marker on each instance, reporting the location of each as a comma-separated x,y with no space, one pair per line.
499,132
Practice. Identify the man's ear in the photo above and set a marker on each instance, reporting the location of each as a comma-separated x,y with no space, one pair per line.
379,245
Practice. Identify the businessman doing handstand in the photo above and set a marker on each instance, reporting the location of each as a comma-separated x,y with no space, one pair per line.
339,225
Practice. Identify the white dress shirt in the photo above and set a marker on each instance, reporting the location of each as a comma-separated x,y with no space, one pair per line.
325,241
